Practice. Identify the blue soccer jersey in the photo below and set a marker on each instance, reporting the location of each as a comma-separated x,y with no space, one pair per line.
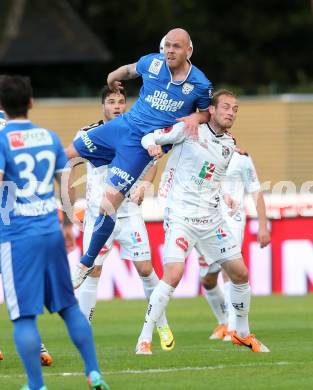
29,158
161,100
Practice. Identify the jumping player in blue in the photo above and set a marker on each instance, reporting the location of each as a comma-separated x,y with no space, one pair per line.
172,88
34,263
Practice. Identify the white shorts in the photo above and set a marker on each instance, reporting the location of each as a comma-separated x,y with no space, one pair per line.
237,229
129,232
209,235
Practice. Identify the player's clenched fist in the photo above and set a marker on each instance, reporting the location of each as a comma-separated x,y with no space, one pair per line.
155,151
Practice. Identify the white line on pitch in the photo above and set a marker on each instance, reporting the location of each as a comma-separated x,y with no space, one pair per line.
161,370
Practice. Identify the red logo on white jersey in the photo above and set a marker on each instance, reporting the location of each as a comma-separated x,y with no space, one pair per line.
182,243
167,129
16,140
138,237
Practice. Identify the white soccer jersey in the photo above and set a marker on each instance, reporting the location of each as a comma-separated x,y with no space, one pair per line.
195,168
241,178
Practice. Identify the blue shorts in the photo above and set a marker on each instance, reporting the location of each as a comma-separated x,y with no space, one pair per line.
35,272
116,144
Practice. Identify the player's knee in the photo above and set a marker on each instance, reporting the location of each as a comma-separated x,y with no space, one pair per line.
173,273
96,272
144,268
209,281
241,275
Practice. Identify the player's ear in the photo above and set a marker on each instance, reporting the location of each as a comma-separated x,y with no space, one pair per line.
30,103
211,109
189,52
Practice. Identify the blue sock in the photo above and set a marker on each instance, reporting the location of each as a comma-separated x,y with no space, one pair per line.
27,341
102,230
80,332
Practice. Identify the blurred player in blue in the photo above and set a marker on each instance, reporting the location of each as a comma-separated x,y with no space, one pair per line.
34,264
172,89
2,123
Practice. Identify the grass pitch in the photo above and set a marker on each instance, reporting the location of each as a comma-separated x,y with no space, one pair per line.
284,324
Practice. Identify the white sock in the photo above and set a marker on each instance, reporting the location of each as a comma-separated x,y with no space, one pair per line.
240,299
149,284
216,301
157,304
231,314
87,297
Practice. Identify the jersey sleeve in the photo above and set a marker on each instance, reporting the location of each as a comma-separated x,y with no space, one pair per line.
169,135
143,64
61,158
249,176
205,97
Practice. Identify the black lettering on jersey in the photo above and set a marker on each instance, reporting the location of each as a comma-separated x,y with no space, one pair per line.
92,126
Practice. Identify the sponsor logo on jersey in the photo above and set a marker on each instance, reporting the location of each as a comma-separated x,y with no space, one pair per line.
123,175
207,170
187,88
220,234
159,100
225,151
2,123
136,238
202,262
155,66
29,138
197,221
87,142
167,185
182,243
34,209
167,129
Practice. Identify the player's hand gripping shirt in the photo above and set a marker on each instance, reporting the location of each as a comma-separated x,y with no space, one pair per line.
198,168
29,157
241,178
161,100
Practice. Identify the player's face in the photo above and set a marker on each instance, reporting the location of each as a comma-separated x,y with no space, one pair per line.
176,50
225,113
114,105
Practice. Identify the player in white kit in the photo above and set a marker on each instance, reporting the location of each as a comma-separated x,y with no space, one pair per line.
130,230
241,178
193,218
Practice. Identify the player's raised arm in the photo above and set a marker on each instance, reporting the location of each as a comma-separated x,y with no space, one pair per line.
169,135
125,72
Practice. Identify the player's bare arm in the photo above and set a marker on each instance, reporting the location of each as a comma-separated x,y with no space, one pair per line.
138,194
67,191
125,72
192,122
264,237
